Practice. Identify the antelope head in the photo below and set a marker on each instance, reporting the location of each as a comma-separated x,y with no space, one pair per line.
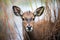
28,17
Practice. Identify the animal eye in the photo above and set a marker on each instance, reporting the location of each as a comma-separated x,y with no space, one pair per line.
33,18
23,19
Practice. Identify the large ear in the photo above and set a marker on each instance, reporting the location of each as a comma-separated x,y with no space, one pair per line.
39,11
17,11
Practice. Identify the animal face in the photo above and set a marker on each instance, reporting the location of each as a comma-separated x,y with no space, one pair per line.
28,20
28,17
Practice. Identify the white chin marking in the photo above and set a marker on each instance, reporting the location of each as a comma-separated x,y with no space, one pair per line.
29,30
26,28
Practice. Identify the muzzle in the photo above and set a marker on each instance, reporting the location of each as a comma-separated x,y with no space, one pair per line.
29,28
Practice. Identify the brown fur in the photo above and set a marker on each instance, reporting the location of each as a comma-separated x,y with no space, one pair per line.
43,30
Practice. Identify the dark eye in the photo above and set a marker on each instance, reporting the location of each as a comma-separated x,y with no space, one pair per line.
33,18
23,19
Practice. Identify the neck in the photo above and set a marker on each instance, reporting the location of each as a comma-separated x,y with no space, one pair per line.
30,34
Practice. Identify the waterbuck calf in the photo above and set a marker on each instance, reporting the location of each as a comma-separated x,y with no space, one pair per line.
34,30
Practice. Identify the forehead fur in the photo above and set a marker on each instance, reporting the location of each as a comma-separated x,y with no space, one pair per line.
28,14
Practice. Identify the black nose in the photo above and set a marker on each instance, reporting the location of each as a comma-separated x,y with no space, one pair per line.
29,27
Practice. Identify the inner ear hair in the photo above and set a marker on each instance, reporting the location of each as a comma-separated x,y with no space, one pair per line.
39,11
17,11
